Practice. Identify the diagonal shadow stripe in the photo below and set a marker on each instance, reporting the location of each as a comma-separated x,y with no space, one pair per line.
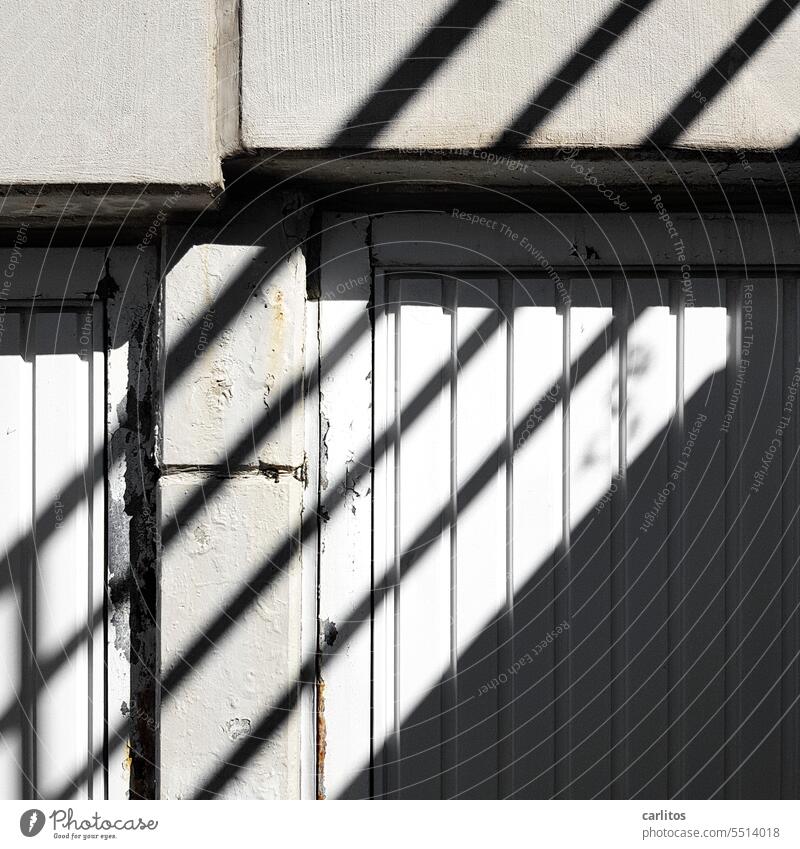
591,50
48,667
426,57
722,71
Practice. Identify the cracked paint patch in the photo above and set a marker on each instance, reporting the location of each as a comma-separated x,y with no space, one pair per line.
238,727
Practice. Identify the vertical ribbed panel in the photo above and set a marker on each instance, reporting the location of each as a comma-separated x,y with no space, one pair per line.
422,638
481,551
790,577
653,475
52,433
592,531
537,514
755,644
697,632
15,600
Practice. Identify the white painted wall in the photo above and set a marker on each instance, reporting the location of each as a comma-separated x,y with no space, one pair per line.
109,91
101,91
308,66
231,496
241,678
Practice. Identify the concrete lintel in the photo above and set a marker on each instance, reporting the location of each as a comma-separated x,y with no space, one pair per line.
97,204
555,178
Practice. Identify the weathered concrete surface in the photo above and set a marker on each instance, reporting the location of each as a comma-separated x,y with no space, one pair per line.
474,168
109,91
241,674
234,337
134,206
567,178
231,500
311,70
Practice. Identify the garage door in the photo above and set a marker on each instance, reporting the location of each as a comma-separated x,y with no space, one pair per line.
52,525
559,495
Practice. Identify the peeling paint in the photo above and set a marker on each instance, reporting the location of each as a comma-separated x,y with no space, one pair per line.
220,390
329,632
324,428
138,434
202,536
322,739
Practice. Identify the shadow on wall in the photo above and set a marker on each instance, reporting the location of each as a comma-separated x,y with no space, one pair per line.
462,20
671,665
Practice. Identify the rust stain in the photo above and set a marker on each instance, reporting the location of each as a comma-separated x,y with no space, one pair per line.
127,761
277,347
279,305
322,739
